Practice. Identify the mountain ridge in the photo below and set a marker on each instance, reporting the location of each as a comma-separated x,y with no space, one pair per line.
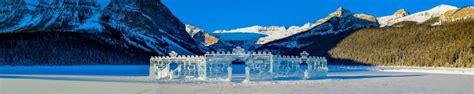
340,21
144,25
418,17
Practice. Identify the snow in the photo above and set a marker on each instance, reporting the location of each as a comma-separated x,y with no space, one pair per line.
342,68
103,3
27,20
48,1
239,36
63,16
178,48
100,79
401,69
192,30
295,29
53,19
92,23
315,31
103,70
253,29
327,25
385,20
149,40
246,40
460,71
271,32
127,39
425,15
31,4
142,70
418,17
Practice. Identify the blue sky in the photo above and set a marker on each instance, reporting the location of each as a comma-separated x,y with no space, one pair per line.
229,14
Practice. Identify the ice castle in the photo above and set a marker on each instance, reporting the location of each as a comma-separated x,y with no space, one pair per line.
217,66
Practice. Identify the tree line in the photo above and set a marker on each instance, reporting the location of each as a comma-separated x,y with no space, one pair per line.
447,45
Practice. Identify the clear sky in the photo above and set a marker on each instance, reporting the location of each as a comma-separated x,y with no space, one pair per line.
230,14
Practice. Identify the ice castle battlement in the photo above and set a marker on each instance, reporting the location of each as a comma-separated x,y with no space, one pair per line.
218,66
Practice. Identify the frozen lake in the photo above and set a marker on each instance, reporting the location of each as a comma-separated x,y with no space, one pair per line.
134,80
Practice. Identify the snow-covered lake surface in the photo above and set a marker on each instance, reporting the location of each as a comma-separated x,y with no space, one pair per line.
134,80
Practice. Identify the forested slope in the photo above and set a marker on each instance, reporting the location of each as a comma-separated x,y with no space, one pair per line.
447,45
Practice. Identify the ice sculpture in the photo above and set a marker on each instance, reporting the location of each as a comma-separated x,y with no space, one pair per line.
260,66
295,67
178,67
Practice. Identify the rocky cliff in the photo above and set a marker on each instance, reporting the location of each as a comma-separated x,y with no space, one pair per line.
133,28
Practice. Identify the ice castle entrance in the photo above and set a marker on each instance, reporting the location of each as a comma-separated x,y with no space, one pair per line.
258,66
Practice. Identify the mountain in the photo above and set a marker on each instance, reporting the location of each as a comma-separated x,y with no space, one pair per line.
72,31
324,36
385,20
207,39
347,38
423,45
254,29
418,17
245,40
297,29
271,32
465,13
201,36
248,37
278,32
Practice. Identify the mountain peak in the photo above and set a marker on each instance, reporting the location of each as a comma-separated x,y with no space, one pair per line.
444,6
401,13
340,12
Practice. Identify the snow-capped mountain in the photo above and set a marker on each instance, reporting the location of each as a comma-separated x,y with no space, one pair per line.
253,29
142,25
245,40
385,20
271,32
254,36
278,32
323,35
418,17
250,37
296,29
